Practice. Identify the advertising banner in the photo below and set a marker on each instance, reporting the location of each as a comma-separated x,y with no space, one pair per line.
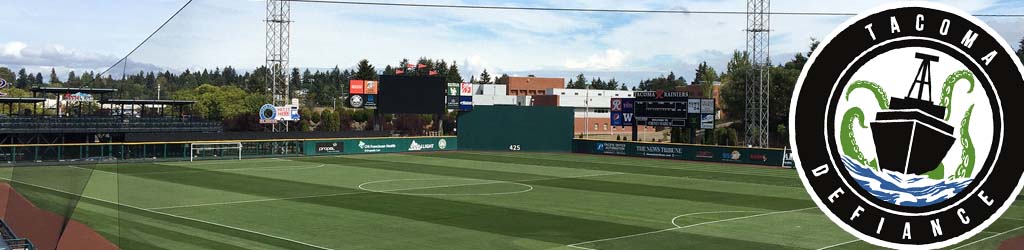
380,145
707,106
452,102
465,103
755,156
370,88
356,87
454,89
270,113
707,121
693,106
466,90
329,148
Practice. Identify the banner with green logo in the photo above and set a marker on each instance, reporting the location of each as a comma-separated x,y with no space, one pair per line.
380,145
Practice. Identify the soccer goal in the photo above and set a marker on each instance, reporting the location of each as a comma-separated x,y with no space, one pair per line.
215,151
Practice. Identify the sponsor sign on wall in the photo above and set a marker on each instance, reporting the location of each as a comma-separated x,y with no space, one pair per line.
757,156
356,87
370,87
381,145
466,90
330,148
465,103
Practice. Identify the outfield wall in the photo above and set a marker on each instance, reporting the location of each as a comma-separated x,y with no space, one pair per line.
516,128
723,154
379,145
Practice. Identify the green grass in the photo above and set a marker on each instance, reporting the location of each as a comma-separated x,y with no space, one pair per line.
450,200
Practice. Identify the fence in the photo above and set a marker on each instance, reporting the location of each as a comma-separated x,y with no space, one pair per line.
740,155
179,151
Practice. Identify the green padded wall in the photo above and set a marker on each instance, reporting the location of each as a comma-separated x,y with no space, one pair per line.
516,128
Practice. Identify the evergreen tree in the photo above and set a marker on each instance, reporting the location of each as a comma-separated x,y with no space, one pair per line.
613,84
1020,50
294,82
453,73
485,78
23,79
365,71
73,80
39,79
53,76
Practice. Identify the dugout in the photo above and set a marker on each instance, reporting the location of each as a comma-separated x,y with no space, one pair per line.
516,128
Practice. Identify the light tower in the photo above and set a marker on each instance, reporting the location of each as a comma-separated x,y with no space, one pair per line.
758,81
279,19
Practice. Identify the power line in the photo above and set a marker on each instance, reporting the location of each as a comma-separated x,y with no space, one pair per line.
636,11
125,58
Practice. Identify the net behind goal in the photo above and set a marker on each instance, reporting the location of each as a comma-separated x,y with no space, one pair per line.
215,151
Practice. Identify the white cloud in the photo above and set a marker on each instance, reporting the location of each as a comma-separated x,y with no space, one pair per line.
611,59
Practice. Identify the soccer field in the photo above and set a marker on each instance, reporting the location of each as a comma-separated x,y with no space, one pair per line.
455,200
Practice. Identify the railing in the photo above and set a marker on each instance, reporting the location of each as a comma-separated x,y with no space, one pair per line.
104,124
11,241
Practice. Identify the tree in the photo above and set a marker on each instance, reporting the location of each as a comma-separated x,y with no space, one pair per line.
485,78
53,77
662,83
734,83
706,79
453,73
502,80
579,83
39,79
294,82
365,71
613,84
73,80
1020,50
23,79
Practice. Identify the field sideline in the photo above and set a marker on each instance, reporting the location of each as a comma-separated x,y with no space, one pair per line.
458,200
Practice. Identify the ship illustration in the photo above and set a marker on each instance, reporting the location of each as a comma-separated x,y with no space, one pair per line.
911,137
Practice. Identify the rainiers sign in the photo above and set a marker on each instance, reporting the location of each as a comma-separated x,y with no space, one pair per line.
622,112
865,151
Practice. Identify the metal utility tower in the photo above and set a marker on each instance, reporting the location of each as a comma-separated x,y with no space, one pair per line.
279,19
758,81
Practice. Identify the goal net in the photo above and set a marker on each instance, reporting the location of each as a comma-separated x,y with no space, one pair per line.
215,151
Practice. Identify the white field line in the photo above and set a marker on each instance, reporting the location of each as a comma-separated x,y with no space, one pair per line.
840,244
986,238
360,192
688,226
398,191
176,216
669,165
215,170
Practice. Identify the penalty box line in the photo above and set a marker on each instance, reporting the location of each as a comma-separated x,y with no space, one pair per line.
175,216
576,245
368,192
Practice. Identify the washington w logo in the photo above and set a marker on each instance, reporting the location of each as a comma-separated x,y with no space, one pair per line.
899,126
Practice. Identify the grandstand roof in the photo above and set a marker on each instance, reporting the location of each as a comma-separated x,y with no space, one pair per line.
61,90
148,102
8,100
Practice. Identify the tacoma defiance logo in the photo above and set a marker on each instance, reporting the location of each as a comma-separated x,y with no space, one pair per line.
888,159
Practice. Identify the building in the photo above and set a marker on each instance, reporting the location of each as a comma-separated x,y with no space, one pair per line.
530,86
592,115
492,94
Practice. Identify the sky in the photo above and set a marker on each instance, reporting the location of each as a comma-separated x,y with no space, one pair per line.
92,35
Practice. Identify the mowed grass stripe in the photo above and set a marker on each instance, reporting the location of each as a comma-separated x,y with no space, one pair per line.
466,215
633,169
126,226
711,197
650,162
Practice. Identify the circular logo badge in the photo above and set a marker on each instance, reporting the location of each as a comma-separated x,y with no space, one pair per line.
356,101
442,144
268,112
900,129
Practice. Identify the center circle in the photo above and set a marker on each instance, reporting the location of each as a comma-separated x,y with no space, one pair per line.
445,187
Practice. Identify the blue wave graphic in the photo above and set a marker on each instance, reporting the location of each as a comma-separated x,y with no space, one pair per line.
903,189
